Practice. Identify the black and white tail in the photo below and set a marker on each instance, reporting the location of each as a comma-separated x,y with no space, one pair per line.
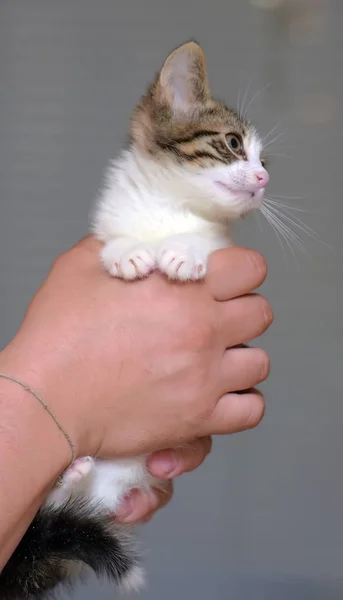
59,543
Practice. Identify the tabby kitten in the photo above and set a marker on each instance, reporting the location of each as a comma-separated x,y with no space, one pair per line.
193,167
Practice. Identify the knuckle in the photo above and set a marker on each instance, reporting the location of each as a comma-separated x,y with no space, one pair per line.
59,261
198,412
64,259
202,408
198,401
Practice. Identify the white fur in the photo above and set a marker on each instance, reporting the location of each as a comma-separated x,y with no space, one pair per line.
134,581
171,217
153,215
105,483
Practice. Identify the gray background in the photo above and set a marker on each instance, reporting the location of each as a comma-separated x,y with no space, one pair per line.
262,519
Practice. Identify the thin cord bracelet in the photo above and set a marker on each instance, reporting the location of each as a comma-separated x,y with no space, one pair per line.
27,388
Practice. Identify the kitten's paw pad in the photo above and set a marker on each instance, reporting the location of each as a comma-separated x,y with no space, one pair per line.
130,264
183,265
133,581
80,468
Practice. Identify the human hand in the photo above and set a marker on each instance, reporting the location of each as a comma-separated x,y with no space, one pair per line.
133,368
140,506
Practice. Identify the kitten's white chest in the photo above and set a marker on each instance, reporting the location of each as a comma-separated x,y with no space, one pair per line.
146,216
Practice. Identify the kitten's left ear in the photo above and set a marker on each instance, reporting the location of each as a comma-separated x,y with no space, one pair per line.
183,82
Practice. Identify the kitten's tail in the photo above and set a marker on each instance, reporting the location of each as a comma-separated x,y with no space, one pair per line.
59,541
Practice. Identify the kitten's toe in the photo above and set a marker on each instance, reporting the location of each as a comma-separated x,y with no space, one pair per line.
80,468
138,262
182,265
133,263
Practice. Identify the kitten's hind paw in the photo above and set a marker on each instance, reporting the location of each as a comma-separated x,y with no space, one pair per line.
78,470
126,262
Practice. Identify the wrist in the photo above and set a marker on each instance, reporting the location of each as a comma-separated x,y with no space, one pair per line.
27,420
33,453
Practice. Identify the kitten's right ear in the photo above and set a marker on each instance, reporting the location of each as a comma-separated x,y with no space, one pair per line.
182,82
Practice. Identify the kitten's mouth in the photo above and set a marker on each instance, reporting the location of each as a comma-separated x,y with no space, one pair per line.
243,195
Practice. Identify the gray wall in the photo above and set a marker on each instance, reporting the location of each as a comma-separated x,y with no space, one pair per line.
262,519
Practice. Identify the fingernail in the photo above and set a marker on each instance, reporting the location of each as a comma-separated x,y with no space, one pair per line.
259,263
164,464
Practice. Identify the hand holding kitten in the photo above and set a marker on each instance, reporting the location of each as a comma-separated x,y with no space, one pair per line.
98,353
145,367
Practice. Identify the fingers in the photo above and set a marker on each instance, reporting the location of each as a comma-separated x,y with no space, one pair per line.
139,506
234,272
171,463
234,413
244,368
243,319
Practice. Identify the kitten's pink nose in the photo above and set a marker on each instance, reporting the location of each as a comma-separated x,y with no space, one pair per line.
261,178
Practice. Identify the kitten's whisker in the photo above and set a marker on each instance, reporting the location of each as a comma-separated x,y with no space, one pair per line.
239,111
287,197
290,207
265,145
254,98
264,139
289,235
277,215
283,235
244,98
275,228
238,104
298,223
295,221
286,207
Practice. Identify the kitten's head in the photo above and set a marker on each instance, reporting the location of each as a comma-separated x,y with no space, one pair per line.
212,153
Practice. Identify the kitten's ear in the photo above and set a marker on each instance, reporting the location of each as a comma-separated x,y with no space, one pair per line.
183,82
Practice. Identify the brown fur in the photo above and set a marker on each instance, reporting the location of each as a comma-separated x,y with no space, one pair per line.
195,135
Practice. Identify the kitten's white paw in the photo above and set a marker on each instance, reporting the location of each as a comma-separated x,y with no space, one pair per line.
128,263
134,580
78,470
182,263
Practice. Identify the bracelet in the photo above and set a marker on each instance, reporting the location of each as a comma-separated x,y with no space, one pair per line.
27,388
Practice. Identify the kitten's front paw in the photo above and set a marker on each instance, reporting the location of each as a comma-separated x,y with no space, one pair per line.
182,263
128,263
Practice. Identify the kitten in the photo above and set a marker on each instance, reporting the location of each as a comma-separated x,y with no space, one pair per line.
193,167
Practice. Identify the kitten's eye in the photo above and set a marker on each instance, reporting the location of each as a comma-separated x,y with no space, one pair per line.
263,162
234,142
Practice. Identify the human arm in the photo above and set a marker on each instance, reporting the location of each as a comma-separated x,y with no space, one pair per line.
126,368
